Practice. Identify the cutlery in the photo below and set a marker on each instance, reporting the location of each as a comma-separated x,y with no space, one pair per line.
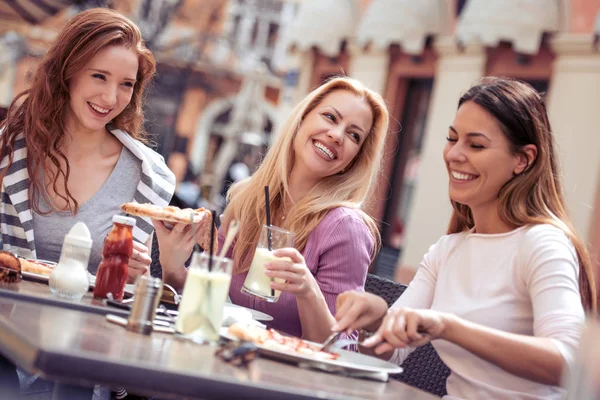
335,336
176,297
330,341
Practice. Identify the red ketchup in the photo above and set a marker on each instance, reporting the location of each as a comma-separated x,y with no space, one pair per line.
112,271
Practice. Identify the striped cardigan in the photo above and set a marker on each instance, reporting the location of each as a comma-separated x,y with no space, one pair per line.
16,221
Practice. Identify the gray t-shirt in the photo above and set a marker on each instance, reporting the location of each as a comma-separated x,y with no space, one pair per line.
96,213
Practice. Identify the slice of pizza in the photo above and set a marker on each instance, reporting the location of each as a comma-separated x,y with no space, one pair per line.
175,215
273,340
169,213
249,333
36,267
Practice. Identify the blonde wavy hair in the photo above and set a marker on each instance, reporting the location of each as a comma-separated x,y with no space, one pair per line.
534,196
246,199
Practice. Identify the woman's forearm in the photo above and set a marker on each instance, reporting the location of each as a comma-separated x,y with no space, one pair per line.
315,317
529,357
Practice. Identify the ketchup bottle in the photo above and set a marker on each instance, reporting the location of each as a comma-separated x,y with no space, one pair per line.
112,271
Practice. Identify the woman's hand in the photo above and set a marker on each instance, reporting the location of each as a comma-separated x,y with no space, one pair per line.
176,246
357,310
138,262
408,327
298,278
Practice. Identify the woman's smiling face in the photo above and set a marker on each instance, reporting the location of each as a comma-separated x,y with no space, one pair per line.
331,134
478,157
102,89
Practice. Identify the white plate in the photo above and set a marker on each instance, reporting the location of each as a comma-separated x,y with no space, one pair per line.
256,315
33,275
347,362
36,277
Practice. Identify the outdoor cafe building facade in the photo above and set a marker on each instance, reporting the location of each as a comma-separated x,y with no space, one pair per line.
422,55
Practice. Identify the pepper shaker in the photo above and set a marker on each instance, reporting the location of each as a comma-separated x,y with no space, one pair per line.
148,292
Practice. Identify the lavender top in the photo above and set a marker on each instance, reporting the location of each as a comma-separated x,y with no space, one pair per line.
338,253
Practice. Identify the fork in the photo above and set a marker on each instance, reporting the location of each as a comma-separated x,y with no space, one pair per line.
176,296
330,341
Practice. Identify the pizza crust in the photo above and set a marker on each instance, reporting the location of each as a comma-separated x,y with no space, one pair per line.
10,269
36,267
248,333
177,215
168,213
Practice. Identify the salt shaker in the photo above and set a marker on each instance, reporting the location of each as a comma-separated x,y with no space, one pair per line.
148,292
70,277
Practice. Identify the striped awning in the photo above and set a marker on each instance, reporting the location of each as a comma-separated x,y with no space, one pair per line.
323,24
404,22
31,11
521,22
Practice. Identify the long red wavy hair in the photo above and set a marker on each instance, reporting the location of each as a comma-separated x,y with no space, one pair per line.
39,112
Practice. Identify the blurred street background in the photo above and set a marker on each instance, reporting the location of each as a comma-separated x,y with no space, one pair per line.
229,71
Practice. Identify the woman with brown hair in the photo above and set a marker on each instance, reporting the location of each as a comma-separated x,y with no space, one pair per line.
508,287
72,146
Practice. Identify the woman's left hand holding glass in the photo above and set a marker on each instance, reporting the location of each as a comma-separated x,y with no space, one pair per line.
404,327
298,278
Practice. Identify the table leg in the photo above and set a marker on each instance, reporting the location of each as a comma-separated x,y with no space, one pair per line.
64,391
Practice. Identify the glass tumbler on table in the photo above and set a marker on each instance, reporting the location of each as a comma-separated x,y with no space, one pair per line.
204,293
257,283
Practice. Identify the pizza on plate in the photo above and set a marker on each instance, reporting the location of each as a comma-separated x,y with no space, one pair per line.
174,214
273,340
36,266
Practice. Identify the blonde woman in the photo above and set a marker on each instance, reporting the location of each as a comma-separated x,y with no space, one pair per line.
506,290
319,171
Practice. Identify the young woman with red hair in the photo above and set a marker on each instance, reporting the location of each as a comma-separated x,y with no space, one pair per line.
72,146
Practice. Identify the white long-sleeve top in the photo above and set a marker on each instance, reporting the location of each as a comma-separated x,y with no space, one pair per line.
524,282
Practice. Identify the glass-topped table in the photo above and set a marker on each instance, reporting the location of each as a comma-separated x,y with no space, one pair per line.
78,348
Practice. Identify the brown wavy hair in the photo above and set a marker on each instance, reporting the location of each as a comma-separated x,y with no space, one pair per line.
39,112
534,196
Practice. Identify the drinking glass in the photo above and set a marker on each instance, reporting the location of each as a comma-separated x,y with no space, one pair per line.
257,283
204,293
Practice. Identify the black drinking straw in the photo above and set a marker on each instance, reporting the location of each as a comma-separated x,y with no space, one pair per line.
269,244
267,204
212,240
